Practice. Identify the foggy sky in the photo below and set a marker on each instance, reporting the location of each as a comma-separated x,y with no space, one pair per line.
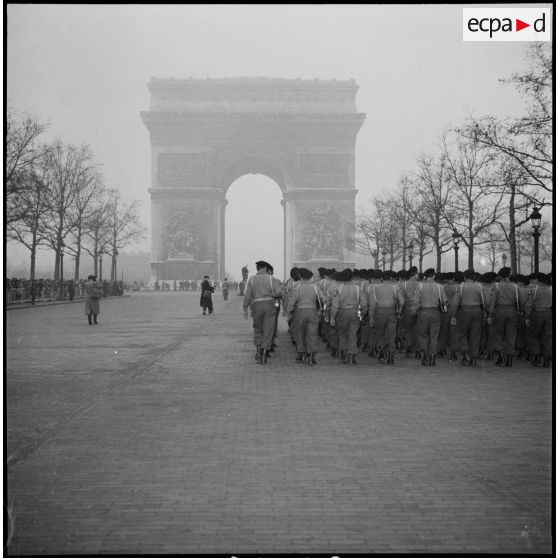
85,69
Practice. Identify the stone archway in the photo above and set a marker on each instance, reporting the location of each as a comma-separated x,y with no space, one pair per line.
207,133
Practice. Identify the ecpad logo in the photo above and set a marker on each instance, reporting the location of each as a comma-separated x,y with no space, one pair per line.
506,24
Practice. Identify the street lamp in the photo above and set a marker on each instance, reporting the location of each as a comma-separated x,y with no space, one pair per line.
410,247
536,223
456,236
61,292
384,254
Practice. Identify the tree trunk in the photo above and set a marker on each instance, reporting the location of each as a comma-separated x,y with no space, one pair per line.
32,269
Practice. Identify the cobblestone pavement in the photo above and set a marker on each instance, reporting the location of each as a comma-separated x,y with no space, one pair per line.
156,432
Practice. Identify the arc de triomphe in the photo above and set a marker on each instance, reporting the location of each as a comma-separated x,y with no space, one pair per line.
207,133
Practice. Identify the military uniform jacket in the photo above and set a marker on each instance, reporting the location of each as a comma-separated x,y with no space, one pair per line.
431,295
348,295
261,287
507,293
468,294
304,295
539,298
409,289
385,295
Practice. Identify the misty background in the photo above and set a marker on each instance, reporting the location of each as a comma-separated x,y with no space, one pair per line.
84,69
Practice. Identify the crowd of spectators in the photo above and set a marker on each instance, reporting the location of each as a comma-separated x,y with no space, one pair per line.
19,290
190,285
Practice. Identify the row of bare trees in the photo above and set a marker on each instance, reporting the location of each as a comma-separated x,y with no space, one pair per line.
56,197
477,189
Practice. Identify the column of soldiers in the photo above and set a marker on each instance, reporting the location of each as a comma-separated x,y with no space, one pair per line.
465,316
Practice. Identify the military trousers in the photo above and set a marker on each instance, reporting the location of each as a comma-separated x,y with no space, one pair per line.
263,319
409,324
539,335
428,329
348,324
307,321
505,329
385,324
469,325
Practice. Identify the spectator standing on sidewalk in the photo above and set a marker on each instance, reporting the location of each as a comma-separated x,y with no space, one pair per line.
93,294
206,301
225,288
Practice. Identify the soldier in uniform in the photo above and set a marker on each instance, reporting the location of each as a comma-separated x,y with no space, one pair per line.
261,290
431,303
93,294
304,306
345,315
505,307
333,335
487,331
385,303
539,320
287,291
521,341
409,316
466,311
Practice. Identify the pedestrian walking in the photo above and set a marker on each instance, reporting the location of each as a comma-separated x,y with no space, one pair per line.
225,289
206,302
261,291
93,294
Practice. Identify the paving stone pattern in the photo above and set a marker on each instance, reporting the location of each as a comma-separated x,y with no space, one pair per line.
157,432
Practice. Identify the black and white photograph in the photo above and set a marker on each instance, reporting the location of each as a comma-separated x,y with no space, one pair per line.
279,279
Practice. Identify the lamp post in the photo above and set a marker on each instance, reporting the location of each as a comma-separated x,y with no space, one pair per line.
410,247
536,224
384,254
456,236
61,291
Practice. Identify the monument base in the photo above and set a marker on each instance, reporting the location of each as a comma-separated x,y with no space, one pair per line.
181,270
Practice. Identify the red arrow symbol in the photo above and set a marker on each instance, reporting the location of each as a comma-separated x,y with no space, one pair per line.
519,25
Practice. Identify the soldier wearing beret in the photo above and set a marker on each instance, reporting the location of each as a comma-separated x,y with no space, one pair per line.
345,315
304,306
466,311
539,320
431,303
385,303
505,307
261,291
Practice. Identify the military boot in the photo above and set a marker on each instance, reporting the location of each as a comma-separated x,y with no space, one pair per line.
509,360
351,359
389,358
343,357
312,359
300,356
425,361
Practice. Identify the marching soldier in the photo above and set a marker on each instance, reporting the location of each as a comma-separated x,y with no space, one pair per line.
487,330
287,288
466,312
539,320
409,316
431,302
303,306
345,315
333,335
323,285
261,290
505,307
385,304
375,279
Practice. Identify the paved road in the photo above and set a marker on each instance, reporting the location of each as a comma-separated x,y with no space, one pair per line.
156,432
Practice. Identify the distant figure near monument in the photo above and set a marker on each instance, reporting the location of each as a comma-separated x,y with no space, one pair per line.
242,285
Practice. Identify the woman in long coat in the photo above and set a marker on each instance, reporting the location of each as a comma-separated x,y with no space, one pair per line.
205,298
93,295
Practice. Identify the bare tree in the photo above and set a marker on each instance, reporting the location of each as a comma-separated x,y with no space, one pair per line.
527,140
30,229
433,193
125,227
474,205
21,154
68,165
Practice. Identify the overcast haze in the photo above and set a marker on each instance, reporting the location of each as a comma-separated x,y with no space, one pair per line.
85,69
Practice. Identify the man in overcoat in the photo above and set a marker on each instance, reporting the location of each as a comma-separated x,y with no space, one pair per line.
93,294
